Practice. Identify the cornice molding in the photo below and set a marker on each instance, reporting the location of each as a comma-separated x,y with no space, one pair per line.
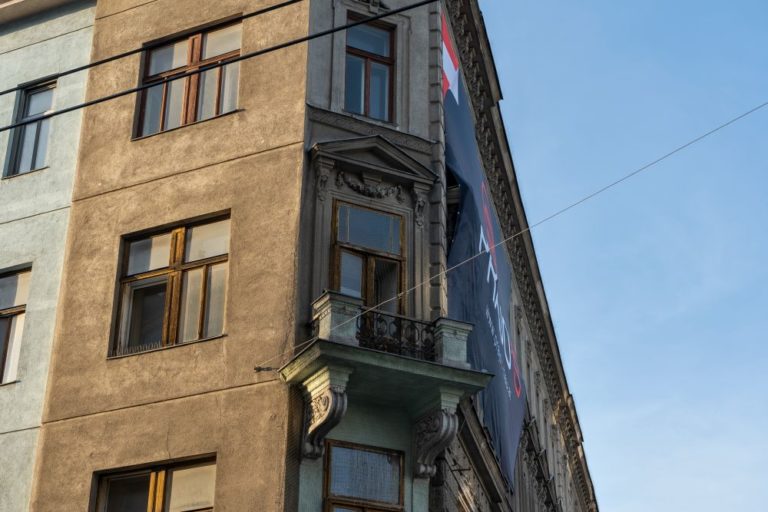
475,54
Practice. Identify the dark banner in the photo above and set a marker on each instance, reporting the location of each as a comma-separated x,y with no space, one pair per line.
479,292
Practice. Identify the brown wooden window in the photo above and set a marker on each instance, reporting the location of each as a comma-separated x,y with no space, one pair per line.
14,289
173,488
362,478
369,71
369,261
174,287
29,143
201,96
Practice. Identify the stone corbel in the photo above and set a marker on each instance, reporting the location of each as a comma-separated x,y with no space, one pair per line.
325,402
433,432
323,168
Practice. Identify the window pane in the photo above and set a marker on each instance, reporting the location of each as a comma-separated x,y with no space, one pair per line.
11,330
42,144
221,41
351,275
168,57
26,154
354,85
206,98
215,301
39,102
128,494
145,304
191,488
174,103
370,39
190,305
229,83
386,284
153,102
14,289
149,254
365,475
370,229
379,95
207,240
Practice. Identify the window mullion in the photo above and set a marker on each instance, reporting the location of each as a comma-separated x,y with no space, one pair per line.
193,81
162,105
159,494
203,293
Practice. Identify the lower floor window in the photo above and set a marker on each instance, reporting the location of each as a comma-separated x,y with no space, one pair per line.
363,478
173,488
14,288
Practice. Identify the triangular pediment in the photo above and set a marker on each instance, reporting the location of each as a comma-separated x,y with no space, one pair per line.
374,154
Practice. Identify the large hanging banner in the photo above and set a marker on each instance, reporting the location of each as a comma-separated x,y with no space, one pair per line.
479,292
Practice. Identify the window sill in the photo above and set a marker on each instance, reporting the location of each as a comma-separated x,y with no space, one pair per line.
20,174
144,137
169,347
9,383
387,124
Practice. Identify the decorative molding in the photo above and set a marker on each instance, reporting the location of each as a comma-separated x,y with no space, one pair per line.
323,168
325,403
375,190
419,202
432,434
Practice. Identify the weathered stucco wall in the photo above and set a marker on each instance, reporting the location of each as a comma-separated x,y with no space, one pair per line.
33,221
201,398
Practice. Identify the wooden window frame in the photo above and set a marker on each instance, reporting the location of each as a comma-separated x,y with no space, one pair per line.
191,83
157,495
9,313
175,274
17,138
330,501
369,57
369,256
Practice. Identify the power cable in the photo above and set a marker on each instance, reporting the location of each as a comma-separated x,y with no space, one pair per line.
208,67
261,367
149,46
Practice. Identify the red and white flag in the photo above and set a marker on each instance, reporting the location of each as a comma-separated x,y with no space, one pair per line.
450,64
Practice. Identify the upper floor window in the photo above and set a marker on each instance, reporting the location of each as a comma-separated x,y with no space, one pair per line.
179,488
29,143
14,289
194,98
369,255
369,76
363,479
174,287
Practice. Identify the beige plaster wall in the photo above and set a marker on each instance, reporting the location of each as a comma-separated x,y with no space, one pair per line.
105,413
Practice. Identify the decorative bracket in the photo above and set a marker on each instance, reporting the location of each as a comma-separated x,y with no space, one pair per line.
325,402
434,432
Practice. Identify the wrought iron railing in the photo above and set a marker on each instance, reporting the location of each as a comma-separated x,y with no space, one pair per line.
396,334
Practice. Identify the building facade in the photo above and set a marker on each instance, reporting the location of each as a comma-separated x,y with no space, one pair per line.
256,311
38,168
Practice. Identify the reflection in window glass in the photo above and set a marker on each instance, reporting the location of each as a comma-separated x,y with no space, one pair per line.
354,97
229,82
128,494
168,57
351,275
11,331
216,300
366,228
153,104
191,488
206,100
379,95
366,475
207,240
146,301
14,289
191,292
174,104
149,254
369,39
219,42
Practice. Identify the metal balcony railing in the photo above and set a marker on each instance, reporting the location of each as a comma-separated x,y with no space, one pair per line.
396,334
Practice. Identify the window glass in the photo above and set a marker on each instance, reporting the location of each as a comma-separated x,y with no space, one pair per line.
128,494
229,82
192,289
146,301
14,289
370,39
149,254
42,144
365,475
207,240
191,488
379,95
27,149
216,300
39,102
153,104
174,104
354,98
168,57
351,275
15,329
370,229
221,41
386,279
206,100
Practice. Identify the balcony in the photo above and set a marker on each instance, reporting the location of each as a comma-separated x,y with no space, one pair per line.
382,358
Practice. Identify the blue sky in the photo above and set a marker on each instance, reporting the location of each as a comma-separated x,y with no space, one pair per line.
658,287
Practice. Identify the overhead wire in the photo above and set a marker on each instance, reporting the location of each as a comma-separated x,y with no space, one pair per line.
215,65
561,211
